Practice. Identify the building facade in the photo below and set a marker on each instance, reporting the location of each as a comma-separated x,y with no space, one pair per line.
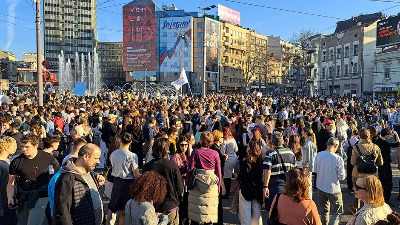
7,54
345,59
234,58
386,73
111,66
69,26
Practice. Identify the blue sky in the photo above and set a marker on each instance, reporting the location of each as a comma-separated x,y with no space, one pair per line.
271,17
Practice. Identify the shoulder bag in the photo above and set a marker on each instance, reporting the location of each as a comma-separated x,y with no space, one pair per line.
282,176
192,178
274,219
366,163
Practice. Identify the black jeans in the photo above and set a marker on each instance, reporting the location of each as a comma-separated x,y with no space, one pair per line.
385,176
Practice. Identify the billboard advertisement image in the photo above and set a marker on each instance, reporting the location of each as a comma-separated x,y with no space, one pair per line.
228,14
388,32
212,44
139,37
175,38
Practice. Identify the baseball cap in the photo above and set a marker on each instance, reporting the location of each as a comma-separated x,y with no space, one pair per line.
327,122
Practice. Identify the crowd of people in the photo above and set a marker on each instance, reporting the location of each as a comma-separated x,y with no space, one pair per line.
174,160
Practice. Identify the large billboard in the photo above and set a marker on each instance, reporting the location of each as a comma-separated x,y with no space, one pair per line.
175,38
139,37
388,32
228,14
212,44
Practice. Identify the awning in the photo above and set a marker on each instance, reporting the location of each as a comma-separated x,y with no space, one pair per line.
385,86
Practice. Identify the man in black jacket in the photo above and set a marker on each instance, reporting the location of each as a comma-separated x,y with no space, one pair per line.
170,171
324,135
77,200
109,129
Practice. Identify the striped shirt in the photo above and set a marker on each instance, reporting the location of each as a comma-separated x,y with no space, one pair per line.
273,163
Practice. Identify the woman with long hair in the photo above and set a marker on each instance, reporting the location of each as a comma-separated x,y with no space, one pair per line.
124,170
180,158
251,185
294,205
203,199
308,152
228,150
294,145
349,145
148,189
369,190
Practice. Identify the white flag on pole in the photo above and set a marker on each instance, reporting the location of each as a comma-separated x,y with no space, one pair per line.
181,81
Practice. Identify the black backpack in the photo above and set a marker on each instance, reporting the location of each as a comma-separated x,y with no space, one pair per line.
366,163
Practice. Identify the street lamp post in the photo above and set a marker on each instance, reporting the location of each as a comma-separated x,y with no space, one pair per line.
39,54
145,80
204,85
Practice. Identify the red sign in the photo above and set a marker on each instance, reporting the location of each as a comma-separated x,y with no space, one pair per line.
139,41
229,15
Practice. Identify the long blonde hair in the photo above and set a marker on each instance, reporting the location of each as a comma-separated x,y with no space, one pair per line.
374,190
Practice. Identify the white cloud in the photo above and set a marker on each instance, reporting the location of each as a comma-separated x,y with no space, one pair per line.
12,5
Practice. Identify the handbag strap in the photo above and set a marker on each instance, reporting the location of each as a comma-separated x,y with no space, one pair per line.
282,164
274,213
358,149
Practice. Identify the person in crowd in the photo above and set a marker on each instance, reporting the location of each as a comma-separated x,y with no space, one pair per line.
228,150
50,144
148,189
276,163
77,199
77,144
216,124
8,147
173,134
330,170
109,129
385,170
170,171
348,148
369,190
124,167
135,129
294,205
251,186
149,131
366,147
17,135
324,134
216,146
203,199
308,152
191,142
30,173
257,137
294,145
180,157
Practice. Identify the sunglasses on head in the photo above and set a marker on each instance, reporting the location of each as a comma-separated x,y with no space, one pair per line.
356,187
183,144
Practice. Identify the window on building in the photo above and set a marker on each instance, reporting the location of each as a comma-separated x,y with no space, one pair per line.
355,69
199,54
387,73
338,71
323,75
338,53
199,44
323,56
330,72
346,51
346,70
199,64
355,52
199,25
331,55
199,34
